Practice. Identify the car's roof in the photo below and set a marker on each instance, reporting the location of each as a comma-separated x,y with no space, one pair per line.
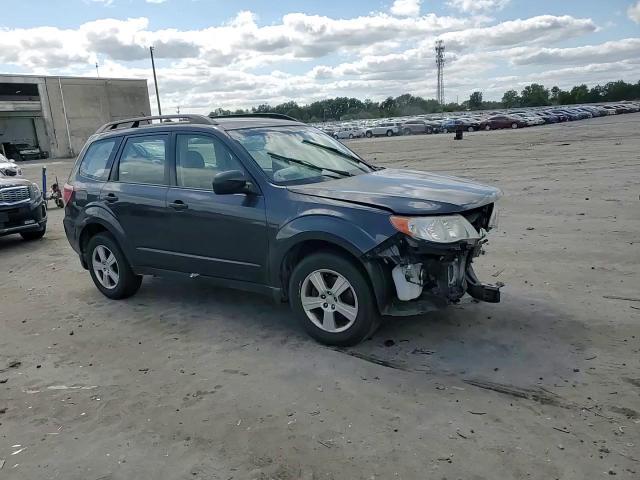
177,122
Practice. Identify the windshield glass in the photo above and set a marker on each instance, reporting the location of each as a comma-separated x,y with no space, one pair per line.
299,154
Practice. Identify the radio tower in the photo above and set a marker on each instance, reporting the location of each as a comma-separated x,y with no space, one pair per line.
440,64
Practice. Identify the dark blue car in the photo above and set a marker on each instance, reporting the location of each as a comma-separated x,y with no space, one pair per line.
268,204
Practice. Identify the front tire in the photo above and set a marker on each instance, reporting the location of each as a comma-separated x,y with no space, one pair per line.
333,300
389,133
470,129
34,234
487,127
514,125
109,269
369,134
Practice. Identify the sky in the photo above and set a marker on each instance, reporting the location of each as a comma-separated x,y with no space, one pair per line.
241,53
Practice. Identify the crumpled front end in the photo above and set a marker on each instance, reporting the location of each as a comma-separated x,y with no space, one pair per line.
422,276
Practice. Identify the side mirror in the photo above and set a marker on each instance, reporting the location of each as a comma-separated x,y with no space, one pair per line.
232,181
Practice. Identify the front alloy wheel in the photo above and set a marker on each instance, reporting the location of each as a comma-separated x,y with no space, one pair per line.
331,296
329,300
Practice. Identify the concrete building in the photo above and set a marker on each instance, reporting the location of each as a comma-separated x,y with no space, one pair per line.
56,115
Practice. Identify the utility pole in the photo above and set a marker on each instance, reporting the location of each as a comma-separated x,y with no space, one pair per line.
440,64
155,80
97,70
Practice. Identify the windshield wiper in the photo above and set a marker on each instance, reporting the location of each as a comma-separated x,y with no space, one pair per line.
337,152
309,165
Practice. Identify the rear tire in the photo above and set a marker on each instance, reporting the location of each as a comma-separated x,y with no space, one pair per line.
389,133
406,131
487,127
34,234
109,269
325,324
514,125
470,129
369,134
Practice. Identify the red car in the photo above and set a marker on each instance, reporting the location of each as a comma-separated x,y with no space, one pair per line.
502,121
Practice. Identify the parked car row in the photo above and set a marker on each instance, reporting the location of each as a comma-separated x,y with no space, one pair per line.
472,121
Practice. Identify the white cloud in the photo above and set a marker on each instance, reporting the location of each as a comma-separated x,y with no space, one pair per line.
310,57
155,1
628,48
406,8
477,5
634,12
543,28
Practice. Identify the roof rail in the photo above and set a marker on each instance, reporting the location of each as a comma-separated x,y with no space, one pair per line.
249,115
135,122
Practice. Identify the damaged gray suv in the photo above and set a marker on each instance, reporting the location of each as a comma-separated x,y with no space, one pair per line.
271,205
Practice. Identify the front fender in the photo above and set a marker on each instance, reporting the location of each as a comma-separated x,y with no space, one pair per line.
339,231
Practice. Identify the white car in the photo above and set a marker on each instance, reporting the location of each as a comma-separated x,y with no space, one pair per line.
8,168
348,132
385,128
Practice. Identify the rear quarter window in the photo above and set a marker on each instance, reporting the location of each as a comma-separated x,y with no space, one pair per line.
95,163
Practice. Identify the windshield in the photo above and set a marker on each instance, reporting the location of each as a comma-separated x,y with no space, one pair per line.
299,154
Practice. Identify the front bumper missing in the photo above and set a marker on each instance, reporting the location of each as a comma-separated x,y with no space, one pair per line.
447,274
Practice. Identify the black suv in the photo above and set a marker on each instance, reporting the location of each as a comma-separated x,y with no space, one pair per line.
268,204
22,208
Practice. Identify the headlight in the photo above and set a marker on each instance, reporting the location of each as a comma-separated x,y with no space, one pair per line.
34,191
440,229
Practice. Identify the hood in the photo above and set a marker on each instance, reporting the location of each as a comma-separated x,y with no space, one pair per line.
405,192
13,182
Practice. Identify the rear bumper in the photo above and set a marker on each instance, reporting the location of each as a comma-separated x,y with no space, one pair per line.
19,218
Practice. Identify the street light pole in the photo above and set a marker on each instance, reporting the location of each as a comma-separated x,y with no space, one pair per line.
155,80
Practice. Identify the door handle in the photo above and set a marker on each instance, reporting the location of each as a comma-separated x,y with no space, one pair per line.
178,205
111,197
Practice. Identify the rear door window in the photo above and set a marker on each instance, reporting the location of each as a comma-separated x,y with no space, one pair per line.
95,163
143,160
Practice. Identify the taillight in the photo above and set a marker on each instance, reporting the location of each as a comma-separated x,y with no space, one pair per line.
67,193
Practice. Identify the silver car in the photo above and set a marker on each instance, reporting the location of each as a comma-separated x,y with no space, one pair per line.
8,168
348,132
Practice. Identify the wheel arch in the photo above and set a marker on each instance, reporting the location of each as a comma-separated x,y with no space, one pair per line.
339,237
99,220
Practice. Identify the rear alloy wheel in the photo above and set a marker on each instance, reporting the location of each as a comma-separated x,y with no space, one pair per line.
389,133
351,136
487,127
514,125
109,268
369,134
332,298
470,129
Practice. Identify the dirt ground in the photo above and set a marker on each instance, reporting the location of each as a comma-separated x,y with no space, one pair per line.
188,381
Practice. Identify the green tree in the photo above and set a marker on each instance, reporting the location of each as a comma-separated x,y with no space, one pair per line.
534,95
579,94
510,99
475,101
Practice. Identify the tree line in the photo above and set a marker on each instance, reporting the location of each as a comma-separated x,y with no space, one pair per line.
534,95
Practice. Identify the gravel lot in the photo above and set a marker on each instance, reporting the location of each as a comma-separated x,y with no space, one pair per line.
189,381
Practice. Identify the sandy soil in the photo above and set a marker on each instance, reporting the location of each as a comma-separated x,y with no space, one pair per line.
188,381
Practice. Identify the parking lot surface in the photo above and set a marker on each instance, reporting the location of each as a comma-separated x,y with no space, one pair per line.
186,380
